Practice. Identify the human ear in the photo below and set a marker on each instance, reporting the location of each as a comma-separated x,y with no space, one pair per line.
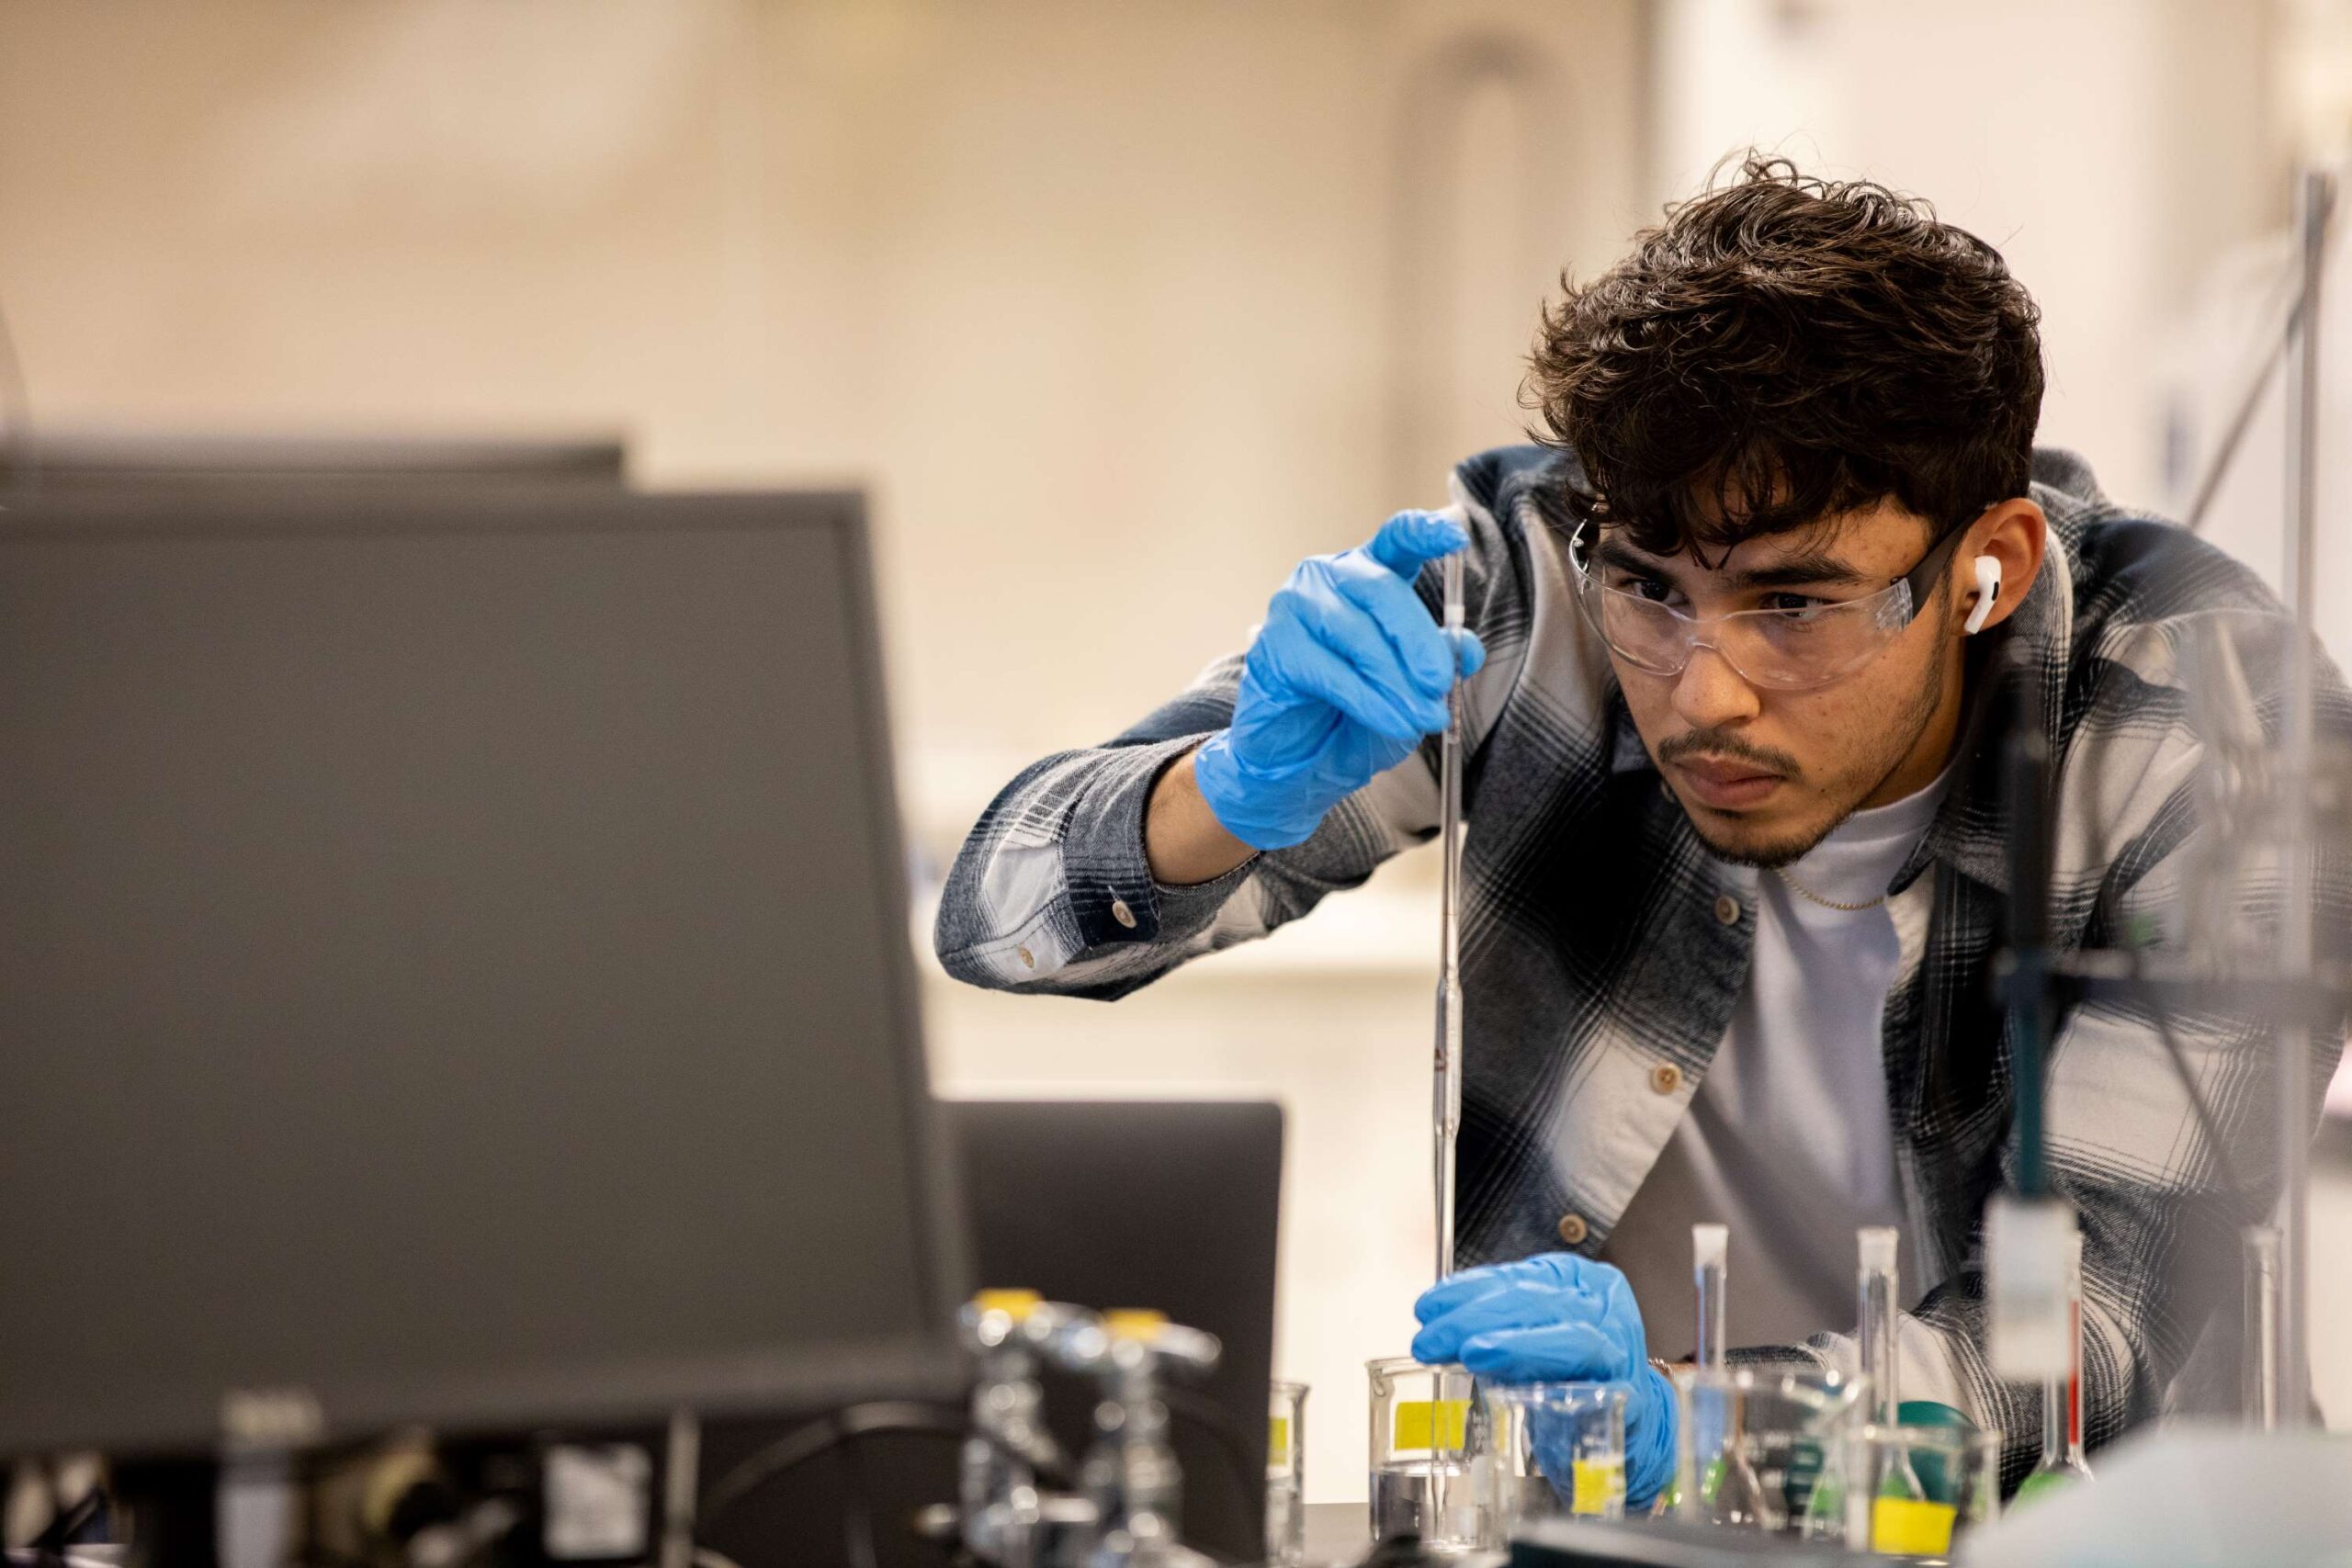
1988,593
2013,538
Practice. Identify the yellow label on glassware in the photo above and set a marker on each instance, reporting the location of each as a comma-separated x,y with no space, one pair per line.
1431,1423
1277,1436
1598,1484
1908,1528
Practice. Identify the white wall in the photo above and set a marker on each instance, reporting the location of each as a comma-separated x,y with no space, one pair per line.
2110,149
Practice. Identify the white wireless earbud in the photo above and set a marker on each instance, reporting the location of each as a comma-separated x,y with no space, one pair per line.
1988,587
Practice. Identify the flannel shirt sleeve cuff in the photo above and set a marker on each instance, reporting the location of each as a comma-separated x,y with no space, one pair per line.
1113,901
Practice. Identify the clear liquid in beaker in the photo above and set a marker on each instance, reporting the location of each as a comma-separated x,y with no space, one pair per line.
1437,1501
1286,1524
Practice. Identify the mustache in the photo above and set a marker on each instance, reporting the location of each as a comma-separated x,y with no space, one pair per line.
1721,744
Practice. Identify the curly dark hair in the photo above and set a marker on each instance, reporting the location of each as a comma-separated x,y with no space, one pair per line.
1782,349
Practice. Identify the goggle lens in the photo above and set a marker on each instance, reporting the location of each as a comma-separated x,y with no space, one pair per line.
1789,650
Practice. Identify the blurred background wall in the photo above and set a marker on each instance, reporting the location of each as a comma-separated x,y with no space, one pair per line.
1116,311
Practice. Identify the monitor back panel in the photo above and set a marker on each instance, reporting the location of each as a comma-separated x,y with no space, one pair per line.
455,967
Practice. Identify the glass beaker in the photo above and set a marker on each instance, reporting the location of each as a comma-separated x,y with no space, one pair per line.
1286,1473
1554,1449
1428,1438
1911,1491
1755,1446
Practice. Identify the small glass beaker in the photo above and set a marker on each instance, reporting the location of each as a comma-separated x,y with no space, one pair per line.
1287,1475
1911,1491
1427,1438
1555,1449
1753,1444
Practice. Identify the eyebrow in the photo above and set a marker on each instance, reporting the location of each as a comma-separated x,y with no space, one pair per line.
1813,566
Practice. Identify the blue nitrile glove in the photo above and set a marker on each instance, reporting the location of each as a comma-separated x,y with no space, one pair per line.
1558,1318
1346,676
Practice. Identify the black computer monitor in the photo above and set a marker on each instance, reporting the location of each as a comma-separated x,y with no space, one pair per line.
454,968
46,458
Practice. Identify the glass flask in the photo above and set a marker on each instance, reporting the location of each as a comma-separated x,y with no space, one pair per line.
1755,1445
1911,1492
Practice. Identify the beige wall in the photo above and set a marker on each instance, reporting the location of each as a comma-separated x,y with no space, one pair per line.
1118,309
1104,301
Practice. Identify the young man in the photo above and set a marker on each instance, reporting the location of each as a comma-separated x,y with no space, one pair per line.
1737,851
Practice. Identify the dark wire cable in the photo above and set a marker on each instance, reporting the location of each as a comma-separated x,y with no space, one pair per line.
826,1433
858,1538
67,1515
2027,772
17,454
840,1429
2234,435
2217,467
2160,1013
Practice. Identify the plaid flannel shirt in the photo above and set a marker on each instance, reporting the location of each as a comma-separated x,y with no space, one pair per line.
1602,939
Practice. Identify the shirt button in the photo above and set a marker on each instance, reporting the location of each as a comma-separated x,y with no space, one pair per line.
1666,1078
1028,959
1121,913
1573,1229
1727,909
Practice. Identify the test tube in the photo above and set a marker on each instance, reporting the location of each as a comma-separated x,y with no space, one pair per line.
1710,1250
2263,1298
1876,1281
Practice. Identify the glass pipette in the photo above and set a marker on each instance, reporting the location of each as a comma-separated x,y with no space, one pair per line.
1448,1107
2261,1364
2074,1434
2062,1398
1878,1289
1876,1246
1710,1257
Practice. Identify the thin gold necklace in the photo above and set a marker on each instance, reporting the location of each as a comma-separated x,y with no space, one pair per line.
1802,891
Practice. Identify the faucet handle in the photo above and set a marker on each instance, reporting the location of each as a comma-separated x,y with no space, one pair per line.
1190,1350
993,1317
1123,1338
995,1320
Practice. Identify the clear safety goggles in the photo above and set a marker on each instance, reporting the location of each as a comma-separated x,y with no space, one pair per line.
1790,649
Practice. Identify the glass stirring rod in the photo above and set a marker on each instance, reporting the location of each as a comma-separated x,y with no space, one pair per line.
1448,1108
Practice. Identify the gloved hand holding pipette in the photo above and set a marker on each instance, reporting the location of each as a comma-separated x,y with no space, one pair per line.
1558,1317
1346,676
